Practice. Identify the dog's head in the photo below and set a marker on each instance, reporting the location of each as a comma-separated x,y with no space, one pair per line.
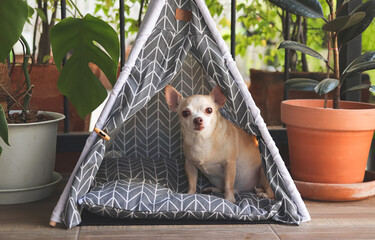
198,113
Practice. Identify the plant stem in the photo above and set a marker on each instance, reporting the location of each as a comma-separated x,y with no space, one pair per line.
335,51
336,72
76,8
26,100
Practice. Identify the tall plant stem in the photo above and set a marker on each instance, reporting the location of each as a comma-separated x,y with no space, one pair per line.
336,71
26,100
335,51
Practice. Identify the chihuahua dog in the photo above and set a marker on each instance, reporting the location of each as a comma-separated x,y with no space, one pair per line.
222,151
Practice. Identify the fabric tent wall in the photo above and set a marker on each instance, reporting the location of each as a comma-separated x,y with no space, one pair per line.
160,50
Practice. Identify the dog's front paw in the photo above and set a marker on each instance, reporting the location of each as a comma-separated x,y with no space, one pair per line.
230,197
260,192
192,191
212,190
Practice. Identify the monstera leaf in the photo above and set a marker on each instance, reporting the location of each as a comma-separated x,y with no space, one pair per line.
13,15
305,8
350,33
86,39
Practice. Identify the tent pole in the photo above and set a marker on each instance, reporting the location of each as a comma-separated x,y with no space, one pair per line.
122,33
65,101
287,51
233,29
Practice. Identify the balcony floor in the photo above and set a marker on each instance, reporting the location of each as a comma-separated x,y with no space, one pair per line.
351,220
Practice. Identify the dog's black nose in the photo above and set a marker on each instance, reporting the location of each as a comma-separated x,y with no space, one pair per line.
198,121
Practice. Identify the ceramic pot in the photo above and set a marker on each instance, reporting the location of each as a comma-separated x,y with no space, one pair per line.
328,145
30,159
46,96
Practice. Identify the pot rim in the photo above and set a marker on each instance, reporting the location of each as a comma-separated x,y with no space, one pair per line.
57,117
310,113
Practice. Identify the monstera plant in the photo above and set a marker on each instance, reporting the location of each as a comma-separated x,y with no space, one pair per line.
81,40
84,40
11,27
329,140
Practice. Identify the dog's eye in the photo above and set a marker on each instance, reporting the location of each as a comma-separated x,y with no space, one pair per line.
209,110
185,113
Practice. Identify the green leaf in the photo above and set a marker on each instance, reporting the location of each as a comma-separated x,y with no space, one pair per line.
366,57
350,33
302,48
358,87
305,8
358,68
3,126
89,40
30,13
13,15
46,58
343,22
41,14
302,84
326,85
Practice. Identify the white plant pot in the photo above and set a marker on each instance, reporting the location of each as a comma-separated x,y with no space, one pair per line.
29,161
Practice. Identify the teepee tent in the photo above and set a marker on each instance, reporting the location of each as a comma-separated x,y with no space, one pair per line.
139,173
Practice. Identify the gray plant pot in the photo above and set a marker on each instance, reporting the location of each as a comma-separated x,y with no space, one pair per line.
30,160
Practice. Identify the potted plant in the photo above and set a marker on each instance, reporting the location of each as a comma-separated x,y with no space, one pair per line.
16,184
329,140
43,73
264,25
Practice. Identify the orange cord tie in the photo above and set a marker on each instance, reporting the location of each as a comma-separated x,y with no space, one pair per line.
102,134
256,142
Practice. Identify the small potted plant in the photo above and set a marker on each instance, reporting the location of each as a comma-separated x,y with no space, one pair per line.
329,140
30,177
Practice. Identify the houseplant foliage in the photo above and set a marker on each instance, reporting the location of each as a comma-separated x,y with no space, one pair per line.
341,30
86,39
329,141
83,39
12,24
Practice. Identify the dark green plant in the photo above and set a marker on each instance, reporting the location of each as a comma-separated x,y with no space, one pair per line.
13,15
340,30
84,40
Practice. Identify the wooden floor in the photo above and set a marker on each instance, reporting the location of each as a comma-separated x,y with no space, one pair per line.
352,220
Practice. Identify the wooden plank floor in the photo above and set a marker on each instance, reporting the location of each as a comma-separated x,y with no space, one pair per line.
351,220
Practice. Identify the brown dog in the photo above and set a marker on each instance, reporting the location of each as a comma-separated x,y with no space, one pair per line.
223,152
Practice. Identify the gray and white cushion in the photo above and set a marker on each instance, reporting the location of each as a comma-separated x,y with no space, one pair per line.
144,189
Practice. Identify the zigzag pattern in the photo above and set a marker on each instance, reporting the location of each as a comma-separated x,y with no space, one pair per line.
143,131
149,188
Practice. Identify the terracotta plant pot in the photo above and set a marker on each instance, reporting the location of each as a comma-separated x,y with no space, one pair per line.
328,145
267,90
338,192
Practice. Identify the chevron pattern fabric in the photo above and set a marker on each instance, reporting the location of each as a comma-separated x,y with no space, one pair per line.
142,165
145,188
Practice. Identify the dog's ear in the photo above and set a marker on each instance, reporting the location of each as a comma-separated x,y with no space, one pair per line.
173,97
218,96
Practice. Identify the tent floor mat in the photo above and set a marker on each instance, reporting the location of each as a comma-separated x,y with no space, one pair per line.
91,219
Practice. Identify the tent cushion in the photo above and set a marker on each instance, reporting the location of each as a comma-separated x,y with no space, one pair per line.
154,190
